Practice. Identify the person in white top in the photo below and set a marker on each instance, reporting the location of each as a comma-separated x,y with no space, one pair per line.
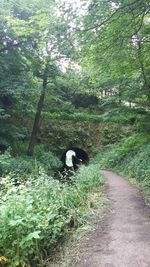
72,158
69,158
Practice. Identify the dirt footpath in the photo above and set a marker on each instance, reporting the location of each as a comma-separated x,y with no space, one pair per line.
123,239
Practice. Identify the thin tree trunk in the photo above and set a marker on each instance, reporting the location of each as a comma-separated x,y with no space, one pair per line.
37,119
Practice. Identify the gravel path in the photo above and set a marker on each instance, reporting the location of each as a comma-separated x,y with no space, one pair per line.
123,238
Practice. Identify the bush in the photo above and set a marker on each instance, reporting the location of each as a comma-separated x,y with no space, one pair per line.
23,165
35,215
20,165
46,158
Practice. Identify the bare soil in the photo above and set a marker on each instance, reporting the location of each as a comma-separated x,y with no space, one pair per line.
122,238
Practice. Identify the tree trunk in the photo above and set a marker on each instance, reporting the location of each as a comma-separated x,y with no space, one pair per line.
37,119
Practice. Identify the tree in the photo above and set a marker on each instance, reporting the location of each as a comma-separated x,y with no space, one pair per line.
32,45
115,44
50,71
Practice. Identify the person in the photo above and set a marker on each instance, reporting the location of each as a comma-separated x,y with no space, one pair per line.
72,158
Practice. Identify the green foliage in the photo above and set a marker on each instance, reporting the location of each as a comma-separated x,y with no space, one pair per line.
57,135
113,135
130,157
143,123
46,158
35,46
139,166
84,100
57,101
118,154
118,67
73,117
35,215
20,167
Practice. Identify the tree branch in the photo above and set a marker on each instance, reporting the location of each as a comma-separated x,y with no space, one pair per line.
111,16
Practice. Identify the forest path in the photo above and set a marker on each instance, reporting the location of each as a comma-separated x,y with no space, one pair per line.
123,238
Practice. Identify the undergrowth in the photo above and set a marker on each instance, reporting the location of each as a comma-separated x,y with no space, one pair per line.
129,157
35,214
22,166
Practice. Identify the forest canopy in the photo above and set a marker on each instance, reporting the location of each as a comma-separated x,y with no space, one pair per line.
51,52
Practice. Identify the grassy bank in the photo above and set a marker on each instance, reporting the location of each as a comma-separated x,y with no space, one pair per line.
37,213
130,157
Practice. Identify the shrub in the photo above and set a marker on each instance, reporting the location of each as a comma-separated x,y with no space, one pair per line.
20,165
23,165
46,158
